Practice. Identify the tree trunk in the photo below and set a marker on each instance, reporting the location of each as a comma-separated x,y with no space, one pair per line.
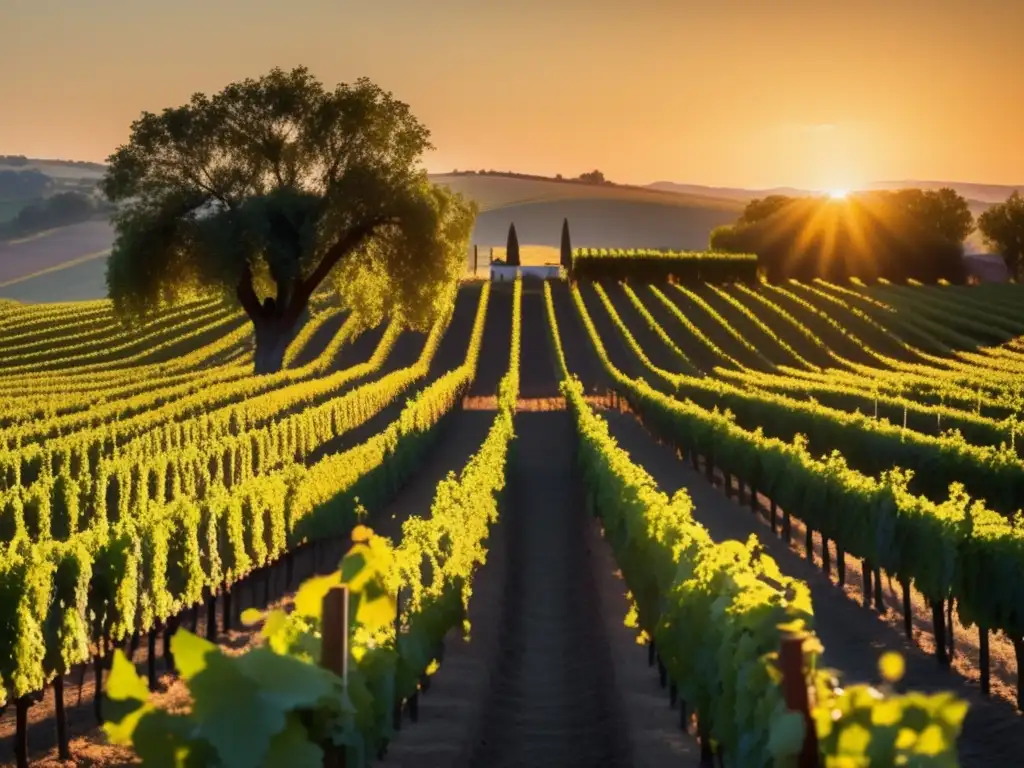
272,339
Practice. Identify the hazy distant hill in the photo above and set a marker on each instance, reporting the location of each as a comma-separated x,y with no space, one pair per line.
730,193
607,215
980,193
661,215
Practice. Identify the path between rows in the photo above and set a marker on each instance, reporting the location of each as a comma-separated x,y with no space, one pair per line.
550,676
552,700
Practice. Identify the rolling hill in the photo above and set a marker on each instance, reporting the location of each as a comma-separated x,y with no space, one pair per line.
67,264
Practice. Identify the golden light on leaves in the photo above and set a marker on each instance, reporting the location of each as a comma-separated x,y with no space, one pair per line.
891,666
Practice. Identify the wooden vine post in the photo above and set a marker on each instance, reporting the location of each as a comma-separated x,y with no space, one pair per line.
334,654
797,697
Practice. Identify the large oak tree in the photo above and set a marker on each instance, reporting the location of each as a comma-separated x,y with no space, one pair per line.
274,187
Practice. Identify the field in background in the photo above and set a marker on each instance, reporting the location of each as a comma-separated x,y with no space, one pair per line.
65,264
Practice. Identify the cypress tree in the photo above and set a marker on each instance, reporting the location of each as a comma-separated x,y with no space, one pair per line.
566,248
512,247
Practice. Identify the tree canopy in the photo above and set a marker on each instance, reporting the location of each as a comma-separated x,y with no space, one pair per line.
55,211
18,185
942,211
896,235
275,186
1002,226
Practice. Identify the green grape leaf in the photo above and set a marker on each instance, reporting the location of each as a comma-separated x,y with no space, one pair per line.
932,741
233,715
309,600
276,622
251,617
854,739
284,681
162,740
787,735
794,627
355,567
891,666
190,653
124,683
291,748
127,701
375,608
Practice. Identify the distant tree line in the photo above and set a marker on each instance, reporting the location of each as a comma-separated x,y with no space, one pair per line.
22,185
20,161
590,177
897,235
40,207
56,210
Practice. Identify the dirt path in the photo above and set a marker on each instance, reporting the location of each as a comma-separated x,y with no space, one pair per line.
551,702
451,352
853,636
578,356
570,687
536,370
497,342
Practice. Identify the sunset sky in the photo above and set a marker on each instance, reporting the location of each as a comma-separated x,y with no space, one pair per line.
734,92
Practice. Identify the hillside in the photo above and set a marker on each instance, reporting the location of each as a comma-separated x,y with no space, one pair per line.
609,216
55,266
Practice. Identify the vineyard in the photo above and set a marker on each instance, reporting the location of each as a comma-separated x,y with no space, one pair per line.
580,523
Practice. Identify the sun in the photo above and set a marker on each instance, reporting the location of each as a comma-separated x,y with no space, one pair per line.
839,194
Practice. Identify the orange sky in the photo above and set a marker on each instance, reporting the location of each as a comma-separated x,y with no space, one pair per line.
733,92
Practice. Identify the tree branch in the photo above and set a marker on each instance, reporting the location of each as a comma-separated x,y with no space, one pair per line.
247,295
342,248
